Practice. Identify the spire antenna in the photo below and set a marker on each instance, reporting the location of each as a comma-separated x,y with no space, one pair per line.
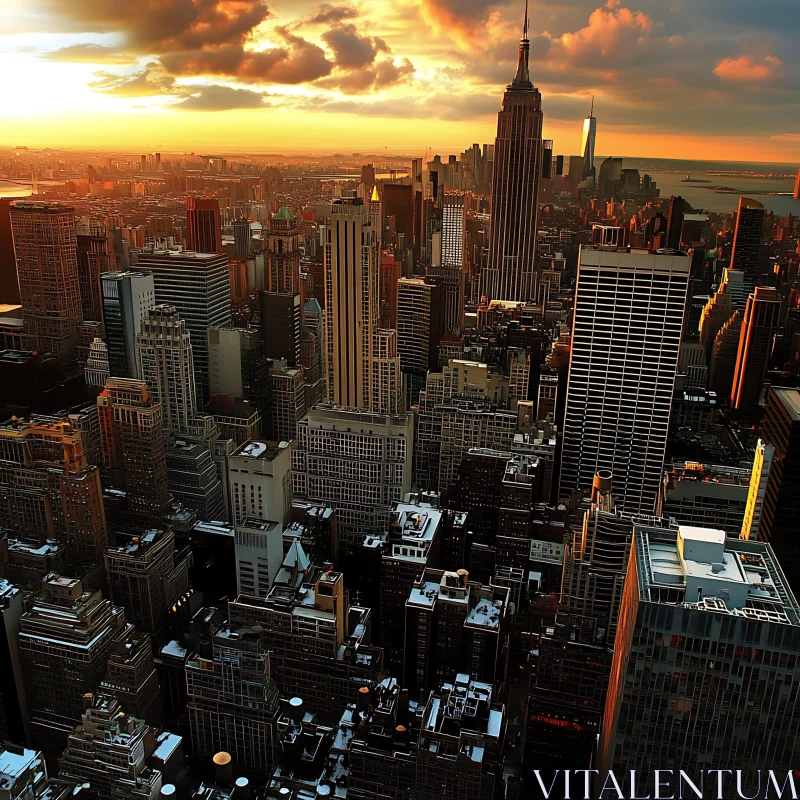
591,112
525,22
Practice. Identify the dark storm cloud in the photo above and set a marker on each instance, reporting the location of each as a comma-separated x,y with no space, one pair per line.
219,98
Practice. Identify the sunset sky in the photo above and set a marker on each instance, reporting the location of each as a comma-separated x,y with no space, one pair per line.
673,78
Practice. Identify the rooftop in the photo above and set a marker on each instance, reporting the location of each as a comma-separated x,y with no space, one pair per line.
702,569
790,399
255,448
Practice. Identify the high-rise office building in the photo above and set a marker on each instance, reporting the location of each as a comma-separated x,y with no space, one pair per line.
132,431
363,366
9,282
198,285
287,401
237,368
203,227
747,240
232,699
626,337
699,612
454,625
147,575
588,143
420,326
128,298
259,555
281,323
781,508
705,495
283,253
95,257
717,311
450,267
329,466
108,751
47,265
761,318
318,644
64,642
678,208
260,482
723,357
509,273
164,360
241,239
49,488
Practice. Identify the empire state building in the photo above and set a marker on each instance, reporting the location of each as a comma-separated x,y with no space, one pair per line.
509,273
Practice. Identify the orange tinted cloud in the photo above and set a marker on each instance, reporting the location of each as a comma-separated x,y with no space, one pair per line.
746,69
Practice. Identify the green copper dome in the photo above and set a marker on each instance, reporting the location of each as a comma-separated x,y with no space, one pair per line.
284,213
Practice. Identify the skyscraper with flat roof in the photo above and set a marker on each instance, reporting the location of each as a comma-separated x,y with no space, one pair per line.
509,273
127,300
203,227
626,335
747,239
47,265
198,285
781,507
706,661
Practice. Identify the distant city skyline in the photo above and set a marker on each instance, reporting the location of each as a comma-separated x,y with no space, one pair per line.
256,76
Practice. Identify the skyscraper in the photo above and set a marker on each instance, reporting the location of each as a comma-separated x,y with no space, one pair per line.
281,327
705,662
781,508
164,359
761,318
95,257
723,357
747,240
241,239
283,253
203,227
49,487
588,143
420,326
626,336
363,366
515,188
9,283
132,431
64,642
198,285
45,244
450,267
128,298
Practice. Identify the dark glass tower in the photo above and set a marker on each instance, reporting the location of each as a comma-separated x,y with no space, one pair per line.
515,189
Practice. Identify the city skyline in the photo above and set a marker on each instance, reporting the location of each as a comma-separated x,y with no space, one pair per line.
257,76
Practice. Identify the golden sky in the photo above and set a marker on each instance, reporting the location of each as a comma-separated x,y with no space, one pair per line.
701,79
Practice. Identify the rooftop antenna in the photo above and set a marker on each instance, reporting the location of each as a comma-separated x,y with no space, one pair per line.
525,23
591,112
